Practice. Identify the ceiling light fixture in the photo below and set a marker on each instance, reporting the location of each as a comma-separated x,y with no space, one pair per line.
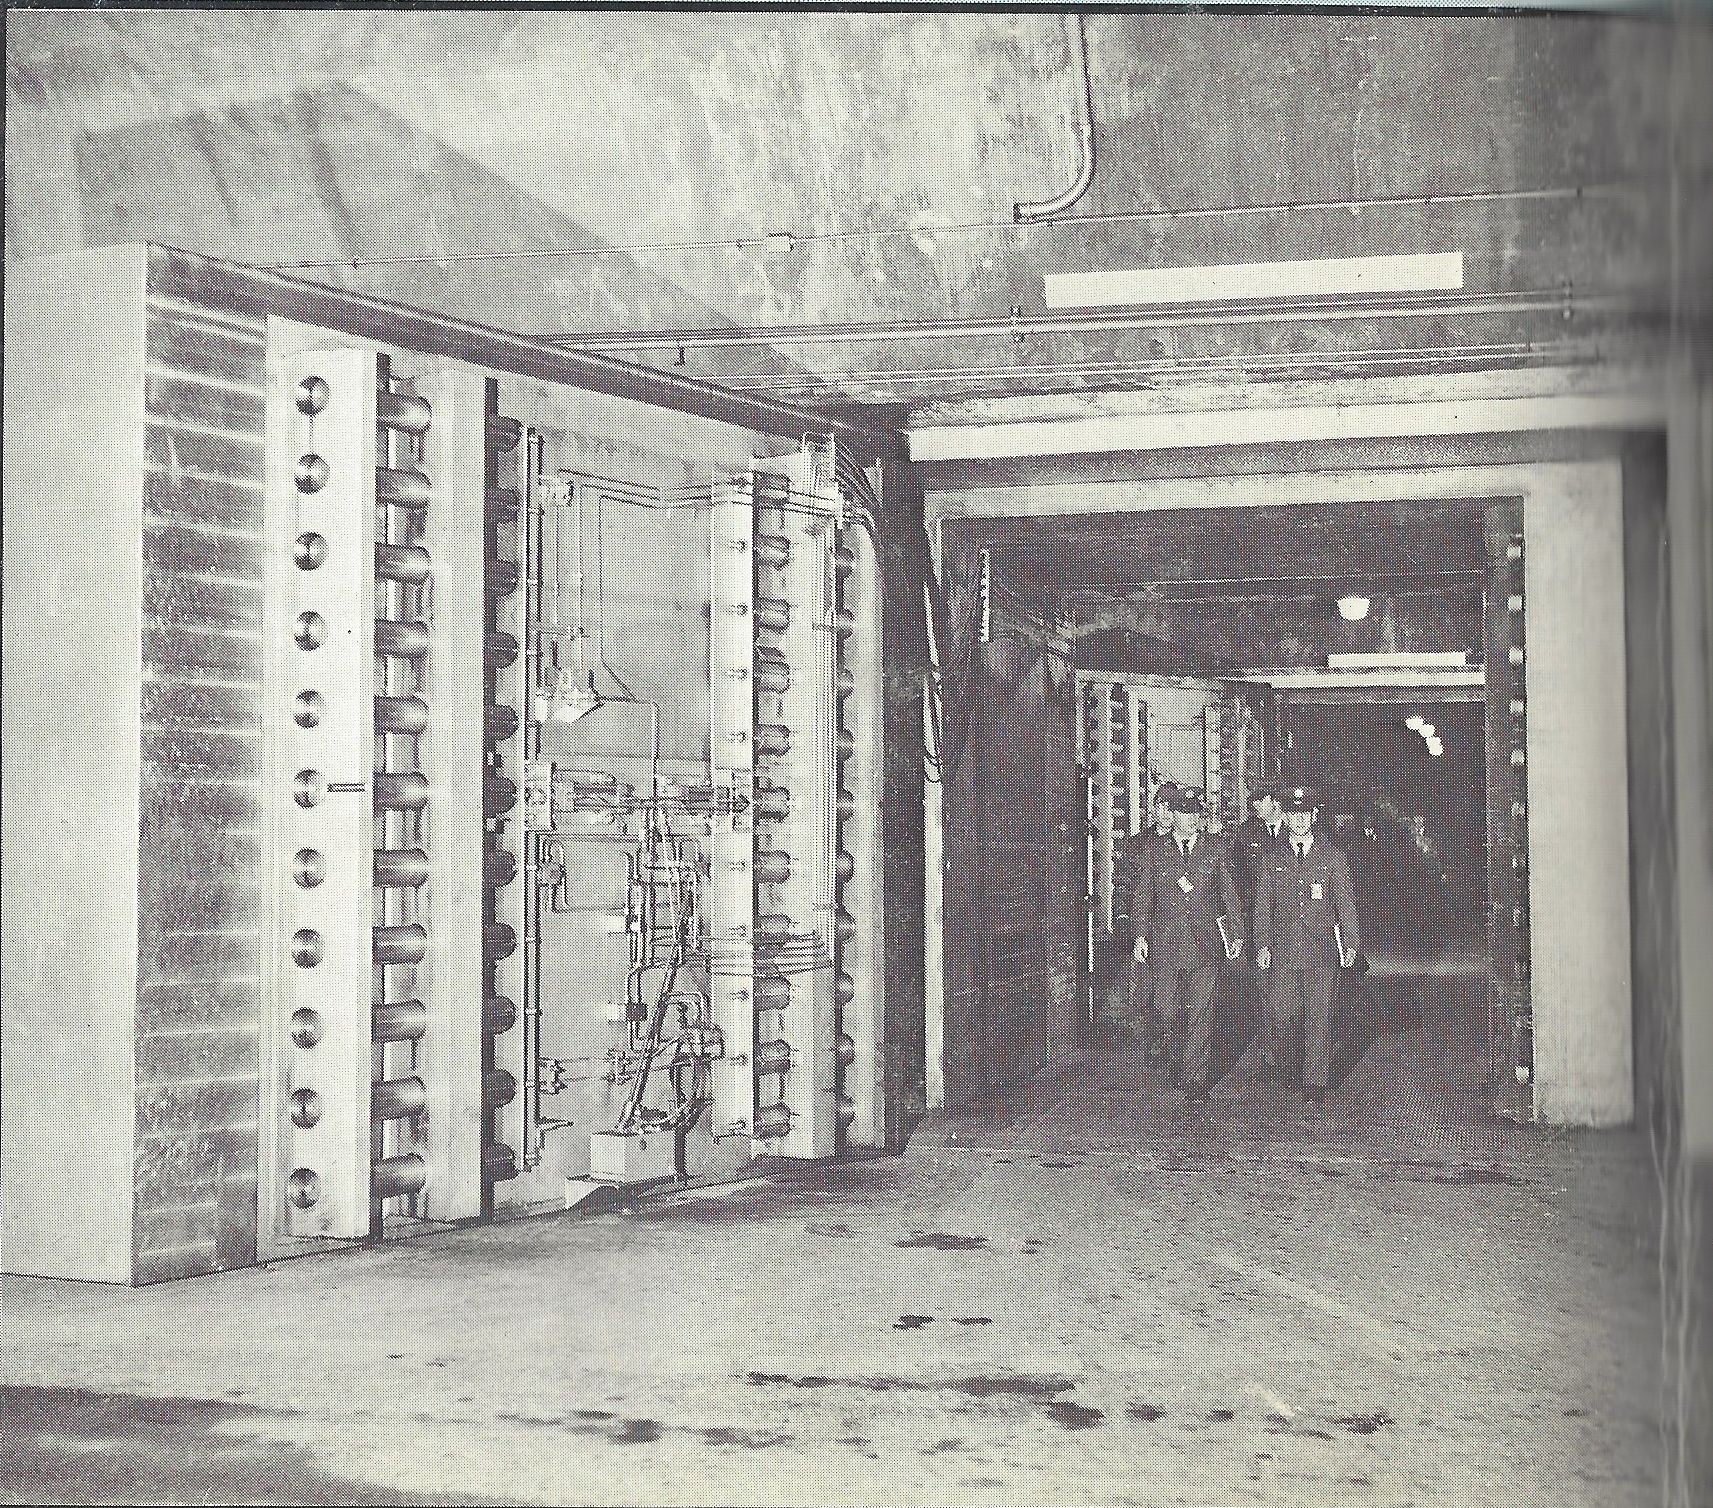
1317,277
1426,730
1353,608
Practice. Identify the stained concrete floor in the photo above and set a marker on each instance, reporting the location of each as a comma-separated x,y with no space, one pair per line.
1091,1295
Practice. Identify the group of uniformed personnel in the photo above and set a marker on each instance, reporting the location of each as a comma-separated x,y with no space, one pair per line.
1182,894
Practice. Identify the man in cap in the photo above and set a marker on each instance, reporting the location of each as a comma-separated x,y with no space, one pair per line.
1255,835
1186,916
1126,999
1250,842
1130,853
1305,932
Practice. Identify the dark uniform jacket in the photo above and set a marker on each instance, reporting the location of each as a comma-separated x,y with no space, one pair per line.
1128,854
1179,902
1298,902
1249,844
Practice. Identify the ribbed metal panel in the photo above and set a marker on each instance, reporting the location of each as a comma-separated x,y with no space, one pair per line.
199,900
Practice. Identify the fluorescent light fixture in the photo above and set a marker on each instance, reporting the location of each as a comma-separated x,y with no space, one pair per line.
1413,722
1323,277
1434,659
1435,747
1426,729
1353,608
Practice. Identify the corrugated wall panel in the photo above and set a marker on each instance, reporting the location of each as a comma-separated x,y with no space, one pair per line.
200,896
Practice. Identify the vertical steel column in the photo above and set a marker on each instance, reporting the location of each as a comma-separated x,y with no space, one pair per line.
1510,992
1135,760
511,471
452,756
320,626
731,713
858,919
807,763
1106,781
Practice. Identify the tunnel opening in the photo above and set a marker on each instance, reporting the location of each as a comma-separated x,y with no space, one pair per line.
1097,657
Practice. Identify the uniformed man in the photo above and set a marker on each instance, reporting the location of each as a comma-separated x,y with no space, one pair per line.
1162,819
1254,835
1250,842
1126,1001
1141,976
1305,932
1187,914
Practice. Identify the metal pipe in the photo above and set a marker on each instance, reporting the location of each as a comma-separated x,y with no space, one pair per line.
393,1099
405,488
772,1121
1234,312
393,1176
401,790
406,943
499,868
1045,208
403,412
398,1021
772,802
400,714
408,564
402,867
408,641
772,866
499,1015
1579,193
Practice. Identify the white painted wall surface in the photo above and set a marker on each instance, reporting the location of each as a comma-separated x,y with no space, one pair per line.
1579,824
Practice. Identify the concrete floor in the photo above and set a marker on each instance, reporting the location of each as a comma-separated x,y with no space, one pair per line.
1092,1296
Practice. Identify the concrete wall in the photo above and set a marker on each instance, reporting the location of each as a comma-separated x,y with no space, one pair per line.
73,600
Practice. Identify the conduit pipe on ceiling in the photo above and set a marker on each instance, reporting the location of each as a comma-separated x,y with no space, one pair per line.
1238,312
798,240
1045,208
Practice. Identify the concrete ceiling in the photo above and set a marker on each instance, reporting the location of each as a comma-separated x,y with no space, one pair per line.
1246,555
275,137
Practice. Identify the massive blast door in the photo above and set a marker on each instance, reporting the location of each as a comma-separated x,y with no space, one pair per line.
466,787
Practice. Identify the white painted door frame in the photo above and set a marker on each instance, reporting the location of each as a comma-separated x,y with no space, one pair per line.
1578,759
